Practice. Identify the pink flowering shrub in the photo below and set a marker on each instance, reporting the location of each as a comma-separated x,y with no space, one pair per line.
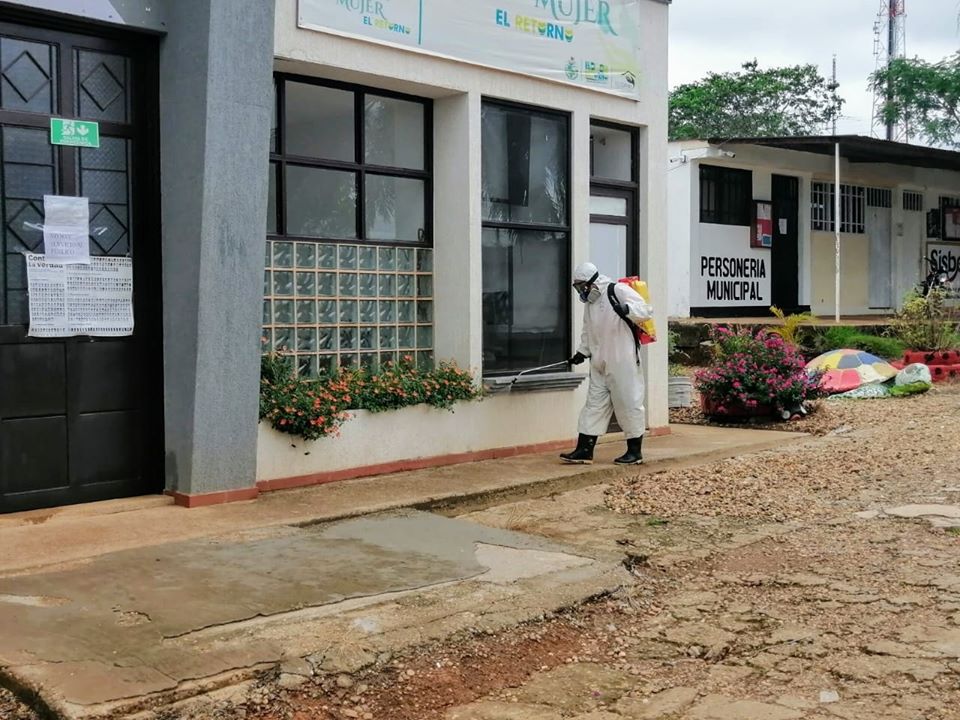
755,370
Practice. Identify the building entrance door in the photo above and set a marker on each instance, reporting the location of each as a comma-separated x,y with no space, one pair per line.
879,227
785,255
80,417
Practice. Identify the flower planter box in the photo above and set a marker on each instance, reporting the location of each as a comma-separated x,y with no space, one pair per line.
418,436
733,410
679,391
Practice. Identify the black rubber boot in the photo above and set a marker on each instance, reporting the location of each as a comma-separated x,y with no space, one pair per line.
634,454
583,455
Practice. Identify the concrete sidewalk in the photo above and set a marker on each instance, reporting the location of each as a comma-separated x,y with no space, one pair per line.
121,607
60,536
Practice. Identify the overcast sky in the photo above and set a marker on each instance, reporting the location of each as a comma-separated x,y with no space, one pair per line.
720,35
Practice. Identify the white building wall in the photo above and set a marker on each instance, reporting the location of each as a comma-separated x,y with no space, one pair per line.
458,89
816,249
680,223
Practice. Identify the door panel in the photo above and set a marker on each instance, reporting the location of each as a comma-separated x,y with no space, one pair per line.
878,227
34,380
34,457
80,418
785,254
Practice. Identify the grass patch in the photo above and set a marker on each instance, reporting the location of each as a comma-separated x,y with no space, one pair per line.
841,337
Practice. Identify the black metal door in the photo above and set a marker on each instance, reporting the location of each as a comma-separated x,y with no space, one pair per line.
80,418
785,256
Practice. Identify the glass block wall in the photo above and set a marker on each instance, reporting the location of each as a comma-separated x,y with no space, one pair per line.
338,305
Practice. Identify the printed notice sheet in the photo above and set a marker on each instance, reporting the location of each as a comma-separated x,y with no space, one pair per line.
66,229
69,300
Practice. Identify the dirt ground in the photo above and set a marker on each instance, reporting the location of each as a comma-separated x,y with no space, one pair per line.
820,580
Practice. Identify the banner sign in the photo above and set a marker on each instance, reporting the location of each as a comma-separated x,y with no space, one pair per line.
590,43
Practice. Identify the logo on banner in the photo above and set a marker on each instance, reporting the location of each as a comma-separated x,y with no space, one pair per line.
580,11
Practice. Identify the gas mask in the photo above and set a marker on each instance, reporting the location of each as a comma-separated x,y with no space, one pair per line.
587,291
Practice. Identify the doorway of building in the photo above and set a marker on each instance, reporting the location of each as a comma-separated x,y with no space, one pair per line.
879,229
80,417
785,254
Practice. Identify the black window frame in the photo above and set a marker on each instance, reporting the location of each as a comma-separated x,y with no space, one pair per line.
280,160
627,189
727,183
565,228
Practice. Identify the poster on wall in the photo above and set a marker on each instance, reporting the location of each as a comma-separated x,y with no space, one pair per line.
951,223
590,43
761,232
66,229
72,299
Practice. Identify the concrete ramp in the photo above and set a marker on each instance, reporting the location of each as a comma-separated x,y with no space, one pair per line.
133,629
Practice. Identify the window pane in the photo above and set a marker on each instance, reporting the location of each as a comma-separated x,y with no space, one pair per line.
612,153
272,201
524,166
321,203
102,86
525,286
29,77
395,208
604,205
319,122
393,132
273,122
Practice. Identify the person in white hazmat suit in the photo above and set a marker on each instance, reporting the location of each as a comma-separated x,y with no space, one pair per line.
616,373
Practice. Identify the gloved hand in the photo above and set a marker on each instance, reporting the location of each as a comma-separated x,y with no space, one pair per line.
577,359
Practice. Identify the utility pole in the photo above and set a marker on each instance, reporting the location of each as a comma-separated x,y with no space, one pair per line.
835,87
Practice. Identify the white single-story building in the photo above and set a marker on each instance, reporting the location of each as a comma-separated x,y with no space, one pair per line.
751,224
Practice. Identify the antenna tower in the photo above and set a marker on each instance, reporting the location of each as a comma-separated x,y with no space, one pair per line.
889,44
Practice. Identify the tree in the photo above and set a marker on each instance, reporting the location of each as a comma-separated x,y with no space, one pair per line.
785,101
925,96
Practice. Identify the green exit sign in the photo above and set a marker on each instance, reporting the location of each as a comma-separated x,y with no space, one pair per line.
77,133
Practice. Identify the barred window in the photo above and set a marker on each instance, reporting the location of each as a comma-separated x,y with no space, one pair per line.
725,195
852,207
912,201
879,198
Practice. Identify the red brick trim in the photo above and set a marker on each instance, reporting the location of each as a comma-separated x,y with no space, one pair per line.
215,498
322,478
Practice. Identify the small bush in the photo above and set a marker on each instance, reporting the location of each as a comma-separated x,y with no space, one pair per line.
926,323
758,369
313,409
836,338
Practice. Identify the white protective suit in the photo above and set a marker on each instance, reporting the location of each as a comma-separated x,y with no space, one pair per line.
616,373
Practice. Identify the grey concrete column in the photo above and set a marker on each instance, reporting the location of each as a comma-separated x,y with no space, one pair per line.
215,102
